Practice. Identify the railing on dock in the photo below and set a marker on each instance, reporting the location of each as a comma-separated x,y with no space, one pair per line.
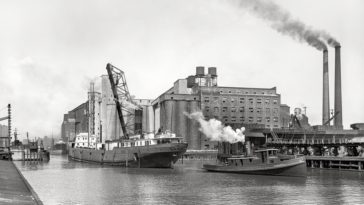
313,142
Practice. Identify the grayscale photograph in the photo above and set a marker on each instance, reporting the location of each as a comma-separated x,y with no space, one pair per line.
181,102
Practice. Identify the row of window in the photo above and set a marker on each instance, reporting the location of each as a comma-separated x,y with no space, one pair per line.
246,92
85,138
83,144
242,100
249,119
242,110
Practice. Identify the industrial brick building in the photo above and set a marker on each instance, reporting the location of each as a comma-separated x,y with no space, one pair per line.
75,122
234,106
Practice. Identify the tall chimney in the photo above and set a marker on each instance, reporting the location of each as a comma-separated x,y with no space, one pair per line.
325,100
338,122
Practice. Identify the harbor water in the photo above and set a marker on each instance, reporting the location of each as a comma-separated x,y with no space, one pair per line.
60,181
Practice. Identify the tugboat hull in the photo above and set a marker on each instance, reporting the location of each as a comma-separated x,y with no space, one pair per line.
292,167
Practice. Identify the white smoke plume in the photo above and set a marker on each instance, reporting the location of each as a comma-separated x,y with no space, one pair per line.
282,21
215,131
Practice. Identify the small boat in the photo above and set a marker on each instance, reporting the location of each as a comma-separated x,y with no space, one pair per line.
263,162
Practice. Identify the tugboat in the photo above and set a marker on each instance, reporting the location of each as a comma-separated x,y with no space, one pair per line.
263,162
160,150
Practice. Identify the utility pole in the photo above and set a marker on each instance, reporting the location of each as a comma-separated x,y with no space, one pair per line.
9,128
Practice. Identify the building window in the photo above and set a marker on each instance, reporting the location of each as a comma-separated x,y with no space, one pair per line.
232,100
251,100
267,111
259,101
275,119
233,119
207,109
233,109
259,110
267,101
241,109
216,109
242,119
259,119
229,91
223,100
250,119
224,109
276,126
207,99
225,118
267,119
242,100
251,110
216,117
275,101
275,111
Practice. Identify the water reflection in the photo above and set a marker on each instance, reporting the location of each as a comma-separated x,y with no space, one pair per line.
62,182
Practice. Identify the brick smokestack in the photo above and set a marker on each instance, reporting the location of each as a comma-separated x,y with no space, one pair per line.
338,122
325,99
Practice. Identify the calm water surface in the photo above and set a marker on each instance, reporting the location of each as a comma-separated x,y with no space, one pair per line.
66,182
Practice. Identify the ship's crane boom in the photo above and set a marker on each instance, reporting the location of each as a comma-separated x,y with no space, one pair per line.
121,94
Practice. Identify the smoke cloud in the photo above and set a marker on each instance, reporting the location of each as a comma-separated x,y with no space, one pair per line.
282,21
215,131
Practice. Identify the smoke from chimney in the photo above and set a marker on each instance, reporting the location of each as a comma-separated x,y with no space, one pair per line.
282,21
215,131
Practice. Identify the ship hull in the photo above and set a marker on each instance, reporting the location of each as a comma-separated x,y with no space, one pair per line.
153,156
293,167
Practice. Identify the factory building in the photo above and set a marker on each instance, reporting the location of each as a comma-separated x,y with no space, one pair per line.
75,122
235,106
98,116
4,132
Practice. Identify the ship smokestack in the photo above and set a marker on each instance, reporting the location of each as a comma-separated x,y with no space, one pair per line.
325,100
338,122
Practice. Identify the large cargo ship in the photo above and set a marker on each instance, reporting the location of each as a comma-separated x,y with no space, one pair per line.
151,150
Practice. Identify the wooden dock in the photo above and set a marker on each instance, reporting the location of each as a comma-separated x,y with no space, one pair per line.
26,155
340,163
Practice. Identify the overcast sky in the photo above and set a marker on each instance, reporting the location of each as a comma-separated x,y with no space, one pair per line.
50,50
